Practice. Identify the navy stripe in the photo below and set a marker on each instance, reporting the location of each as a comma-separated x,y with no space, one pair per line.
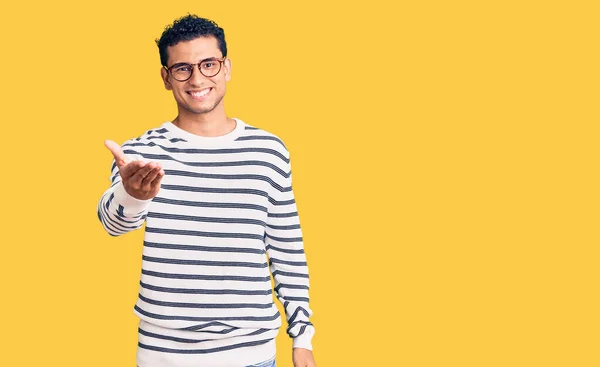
165,157
184,232
203,248
205,151
285,250
109,228
113,224
292,226
200,319
248,127
104,213
207,205
300,332
296,313
205,305
205,277
196,328
289,274
283,215
174,140
115,179
175,339
293,263
285,239
117,223
203,262
258,292
110,199
284,202
291,286
297,299
221,176
162,200
135,221
207,219
204,351
291,325
214,190
257,332
261,137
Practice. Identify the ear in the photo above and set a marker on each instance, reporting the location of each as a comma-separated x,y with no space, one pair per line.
165,77
227,66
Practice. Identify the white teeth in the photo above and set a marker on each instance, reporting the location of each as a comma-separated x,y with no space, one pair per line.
200,94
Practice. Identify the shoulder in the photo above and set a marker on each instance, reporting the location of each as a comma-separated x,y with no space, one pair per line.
263,138
145,143
151,135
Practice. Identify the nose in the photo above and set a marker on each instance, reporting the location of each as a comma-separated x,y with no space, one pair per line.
197,77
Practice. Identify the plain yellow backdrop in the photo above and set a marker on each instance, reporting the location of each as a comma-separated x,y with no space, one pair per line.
445,160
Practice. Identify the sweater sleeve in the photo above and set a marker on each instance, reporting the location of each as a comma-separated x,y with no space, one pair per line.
287,261
118,211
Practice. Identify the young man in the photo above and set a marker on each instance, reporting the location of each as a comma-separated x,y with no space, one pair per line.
216,195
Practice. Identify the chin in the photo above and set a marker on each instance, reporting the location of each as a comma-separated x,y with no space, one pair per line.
197,109
200,111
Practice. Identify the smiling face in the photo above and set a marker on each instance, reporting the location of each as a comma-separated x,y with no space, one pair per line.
199,94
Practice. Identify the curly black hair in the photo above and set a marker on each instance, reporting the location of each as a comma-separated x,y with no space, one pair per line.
187,28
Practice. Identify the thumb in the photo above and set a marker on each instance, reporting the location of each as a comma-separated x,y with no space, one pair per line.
117,152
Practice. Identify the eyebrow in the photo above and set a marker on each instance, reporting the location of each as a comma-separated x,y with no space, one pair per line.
187,63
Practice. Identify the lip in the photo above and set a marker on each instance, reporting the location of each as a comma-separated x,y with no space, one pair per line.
189,92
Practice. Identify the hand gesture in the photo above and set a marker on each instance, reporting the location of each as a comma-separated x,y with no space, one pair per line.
140,179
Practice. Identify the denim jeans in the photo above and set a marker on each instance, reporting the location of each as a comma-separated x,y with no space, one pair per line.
269,363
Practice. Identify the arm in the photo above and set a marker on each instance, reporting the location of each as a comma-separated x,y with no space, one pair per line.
285,247
123,207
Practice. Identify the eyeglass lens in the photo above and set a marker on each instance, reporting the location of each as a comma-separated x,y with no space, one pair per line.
183,72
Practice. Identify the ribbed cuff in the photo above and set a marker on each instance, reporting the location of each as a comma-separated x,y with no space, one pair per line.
131,206
304,340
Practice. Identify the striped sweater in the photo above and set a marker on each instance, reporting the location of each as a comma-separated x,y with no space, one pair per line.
225,219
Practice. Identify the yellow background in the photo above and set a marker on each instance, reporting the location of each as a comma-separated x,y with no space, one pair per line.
445,158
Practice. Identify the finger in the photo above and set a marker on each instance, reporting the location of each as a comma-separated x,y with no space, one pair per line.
138,177
147,181
117,152
155,185
130,169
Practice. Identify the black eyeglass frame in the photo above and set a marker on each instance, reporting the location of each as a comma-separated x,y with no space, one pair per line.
180,64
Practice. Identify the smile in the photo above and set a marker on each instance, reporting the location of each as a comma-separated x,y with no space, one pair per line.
201,94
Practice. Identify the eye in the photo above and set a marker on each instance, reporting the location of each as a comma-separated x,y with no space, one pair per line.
208,65
182,69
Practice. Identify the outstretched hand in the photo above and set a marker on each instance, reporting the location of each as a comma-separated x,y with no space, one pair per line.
303,358
140,179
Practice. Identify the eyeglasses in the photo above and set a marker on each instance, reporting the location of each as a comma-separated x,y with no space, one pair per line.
183,71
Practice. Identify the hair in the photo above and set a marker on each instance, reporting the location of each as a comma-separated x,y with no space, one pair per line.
187,28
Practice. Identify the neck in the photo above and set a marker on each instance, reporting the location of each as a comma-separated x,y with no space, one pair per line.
213,123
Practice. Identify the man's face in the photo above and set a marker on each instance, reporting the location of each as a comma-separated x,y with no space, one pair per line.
190,93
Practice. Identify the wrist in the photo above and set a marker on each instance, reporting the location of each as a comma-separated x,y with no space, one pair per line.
131,205
304,340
